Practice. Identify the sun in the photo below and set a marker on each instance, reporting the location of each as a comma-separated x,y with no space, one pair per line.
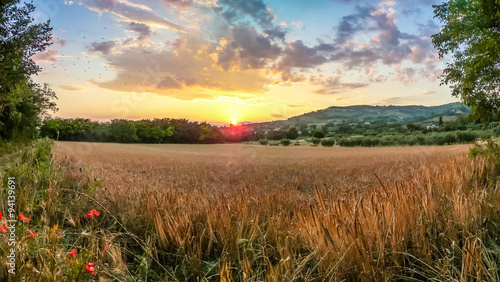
234,122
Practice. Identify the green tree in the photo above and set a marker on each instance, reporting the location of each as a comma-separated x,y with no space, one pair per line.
471,34
123,131
22,102
292,133
319,134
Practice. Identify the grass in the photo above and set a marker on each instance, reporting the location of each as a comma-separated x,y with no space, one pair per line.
254,213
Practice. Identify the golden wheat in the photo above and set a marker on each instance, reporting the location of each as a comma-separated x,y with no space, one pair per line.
246,212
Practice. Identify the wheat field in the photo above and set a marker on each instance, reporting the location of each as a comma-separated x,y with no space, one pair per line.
253,213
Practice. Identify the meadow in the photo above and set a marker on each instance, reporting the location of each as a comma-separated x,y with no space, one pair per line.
238,212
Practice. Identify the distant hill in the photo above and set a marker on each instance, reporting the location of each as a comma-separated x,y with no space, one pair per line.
365,113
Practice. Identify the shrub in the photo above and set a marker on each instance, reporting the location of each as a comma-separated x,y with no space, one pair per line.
328,142
369,141
263,142
285,142
465,136
319,134
315,141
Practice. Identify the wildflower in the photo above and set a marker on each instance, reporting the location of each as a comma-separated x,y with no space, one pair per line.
4,219
72,253
33,235
23,218
89,267
92,213
3,229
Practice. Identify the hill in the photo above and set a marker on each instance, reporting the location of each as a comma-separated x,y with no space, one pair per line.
369,114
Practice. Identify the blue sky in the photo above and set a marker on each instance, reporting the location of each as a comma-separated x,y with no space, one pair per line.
224,60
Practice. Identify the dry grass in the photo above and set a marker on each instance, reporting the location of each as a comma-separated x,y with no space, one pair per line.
246,212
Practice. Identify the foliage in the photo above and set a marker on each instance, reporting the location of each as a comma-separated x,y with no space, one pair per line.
263,141
22,102
123,131
328,142
285,142
292,133
319,134
471,34
316,141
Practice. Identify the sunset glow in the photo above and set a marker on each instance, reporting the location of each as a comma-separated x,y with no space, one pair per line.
264,59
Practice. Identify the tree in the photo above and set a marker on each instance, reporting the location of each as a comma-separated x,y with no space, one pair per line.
471,34
319,134
124,131
292,133
22,102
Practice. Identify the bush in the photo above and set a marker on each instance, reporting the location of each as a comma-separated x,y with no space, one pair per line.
319,134
369,142
350,142
466,136
263,142
285,142
328,142
315,141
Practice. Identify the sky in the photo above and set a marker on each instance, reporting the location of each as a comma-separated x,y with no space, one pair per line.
237,60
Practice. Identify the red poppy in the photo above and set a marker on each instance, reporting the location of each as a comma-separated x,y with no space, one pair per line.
33,235
4,219
3,229
89,267
23,218
72,253
92,213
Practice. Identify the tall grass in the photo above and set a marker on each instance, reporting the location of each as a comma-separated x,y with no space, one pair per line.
230,213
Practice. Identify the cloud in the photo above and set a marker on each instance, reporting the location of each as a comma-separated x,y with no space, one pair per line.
103,47
332,85
70,88
61,42
297,55
276,33
298,24
235,10
245,49
143,30
133,13
386,45
294,106
277,116
342,98
179,3
405,75
183,71
392,101
427,92
428,28
46,56
352,24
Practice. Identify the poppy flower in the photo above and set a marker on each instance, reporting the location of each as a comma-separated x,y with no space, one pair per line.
72,253
92,213
3,229
23,218
89,267
33,235
4,219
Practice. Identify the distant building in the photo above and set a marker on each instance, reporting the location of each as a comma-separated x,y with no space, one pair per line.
431,126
